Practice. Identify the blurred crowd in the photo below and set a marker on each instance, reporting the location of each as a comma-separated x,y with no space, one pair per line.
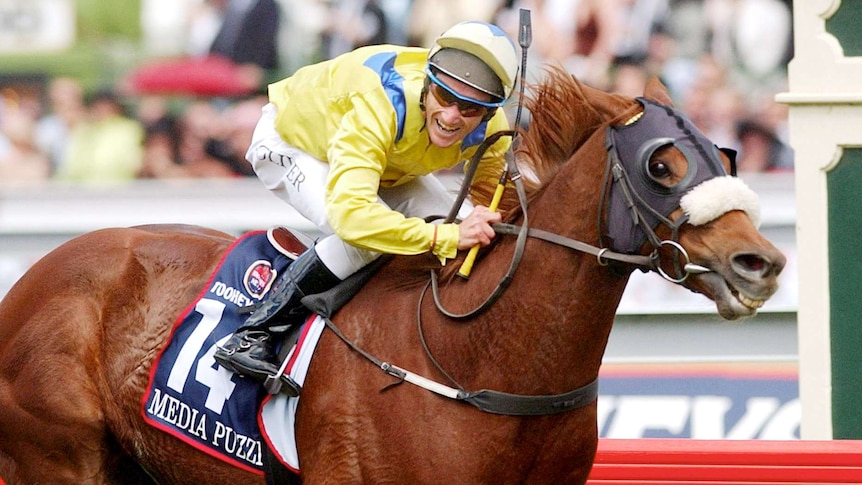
192,115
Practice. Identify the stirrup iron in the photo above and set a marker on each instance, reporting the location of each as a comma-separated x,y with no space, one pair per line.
273,383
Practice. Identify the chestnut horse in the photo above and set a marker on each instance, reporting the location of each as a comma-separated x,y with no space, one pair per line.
80,330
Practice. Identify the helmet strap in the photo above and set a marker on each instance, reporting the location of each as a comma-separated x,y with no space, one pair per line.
489,114
424,94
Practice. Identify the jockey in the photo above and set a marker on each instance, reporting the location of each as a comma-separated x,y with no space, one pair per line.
351,144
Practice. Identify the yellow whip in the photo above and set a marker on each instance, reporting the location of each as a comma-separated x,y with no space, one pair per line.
467,265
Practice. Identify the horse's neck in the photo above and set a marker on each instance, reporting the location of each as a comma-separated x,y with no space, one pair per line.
556,315
570,207
548,331
569,204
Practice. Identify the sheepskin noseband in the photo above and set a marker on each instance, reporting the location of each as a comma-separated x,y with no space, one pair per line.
716,196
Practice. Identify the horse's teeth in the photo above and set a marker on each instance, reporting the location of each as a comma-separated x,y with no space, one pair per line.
749,302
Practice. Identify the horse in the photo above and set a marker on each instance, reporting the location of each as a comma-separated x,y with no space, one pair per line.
603,186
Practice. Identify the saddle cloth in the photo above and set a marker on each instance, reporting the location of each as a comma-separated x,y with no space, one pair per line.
191,397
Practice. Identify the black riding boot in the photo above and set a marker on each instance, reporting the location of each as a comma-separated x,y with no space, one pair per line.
249,351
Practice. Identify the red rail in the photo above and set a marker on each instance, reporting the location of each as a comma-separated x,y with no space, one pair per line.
700,462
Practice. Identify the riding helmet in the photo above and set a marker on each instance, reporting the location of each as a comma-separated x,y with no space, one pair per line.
478,54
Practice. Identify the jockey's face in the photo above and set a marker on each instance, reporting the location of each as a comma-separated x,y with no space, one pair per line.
449,119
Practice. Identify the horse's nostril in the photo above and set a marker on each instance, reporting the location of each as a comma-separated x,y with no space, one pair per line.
751,262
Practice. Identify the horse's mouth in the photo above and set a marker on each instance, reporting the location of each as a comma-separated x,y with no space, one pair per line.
751,303
731,301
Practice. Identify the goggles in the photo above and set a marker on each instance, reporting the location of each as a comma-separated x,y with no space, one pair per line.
446,96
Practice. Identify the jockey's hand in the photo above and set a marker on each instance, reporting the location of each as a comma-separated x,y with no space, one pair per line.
476,228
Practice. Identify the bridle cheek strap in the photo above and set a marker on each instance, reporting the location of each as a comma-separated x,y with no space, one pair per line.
717,196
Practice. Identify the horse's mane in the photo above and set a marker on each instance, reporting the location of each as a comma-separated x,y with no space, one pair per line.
564,113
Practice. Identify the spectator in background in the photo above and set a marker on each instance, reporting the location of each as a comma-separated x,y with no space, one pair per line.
752,39
609,31
701,49
354,23
756,147
553,32
637,21
760,149
726,107
161,150
248,37
231,143
429,18
628,78
106,146
204,22
65,111
198,125
161,147
21,162
238,62
152,108
201,141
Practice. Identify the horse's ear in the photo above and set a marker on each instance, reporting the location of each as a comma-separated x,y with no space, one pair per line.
657,92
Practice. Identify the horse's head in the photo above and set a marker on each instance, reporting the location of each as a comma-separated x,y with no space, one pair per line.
674,194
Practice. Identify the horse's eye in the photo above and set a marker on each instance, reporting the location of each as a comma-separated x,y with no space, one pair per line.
658,170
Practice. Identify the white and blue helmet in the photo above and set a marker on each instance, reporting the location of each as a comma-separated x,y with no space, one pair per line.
478,54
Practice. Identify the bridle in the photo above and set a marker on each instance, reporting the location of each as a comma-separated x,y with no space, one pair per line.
641,202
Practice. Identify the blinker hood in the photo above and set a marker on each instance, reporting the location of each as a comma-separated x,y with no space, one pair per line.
642,199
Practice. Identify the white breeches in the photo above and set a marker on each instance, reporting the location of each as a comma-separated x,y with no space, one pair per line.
300,180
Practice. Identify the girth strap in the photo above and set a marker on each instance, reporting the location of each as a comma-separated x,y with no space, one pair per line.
519,405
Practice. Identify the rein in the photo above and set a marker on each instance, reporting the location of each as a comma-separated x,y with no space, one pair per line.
515,177
602,254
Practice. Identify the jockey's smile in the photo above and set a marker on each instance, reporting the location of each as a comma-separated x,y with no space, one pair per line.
448,118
